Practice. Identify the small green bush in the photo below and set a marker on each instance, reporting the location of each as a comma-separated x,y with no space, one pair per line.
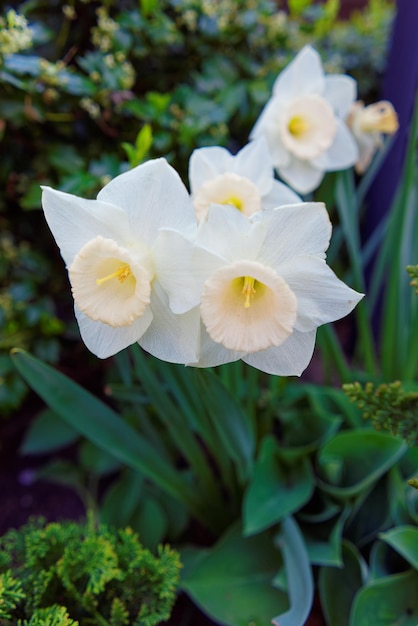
67,574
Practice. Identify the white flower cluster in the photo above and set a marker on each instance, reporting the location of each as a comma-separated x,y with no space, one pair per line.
104,32
306,124
15,34
236,268
243,281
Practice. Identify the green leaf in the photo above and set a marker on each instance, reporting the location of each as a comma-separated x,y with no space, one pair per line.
298,576
96,460
277,488
47,433
148,6
403,539
23,64
390,601
63,473
305,429
385,561
337,587
122,498
324,540
296,7
150,522
228,420
354,460
137,153
371,514
402,497
232,582
101,425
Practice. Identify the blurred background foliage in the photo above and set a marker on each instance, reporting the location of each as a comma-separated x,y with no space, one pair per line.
90,89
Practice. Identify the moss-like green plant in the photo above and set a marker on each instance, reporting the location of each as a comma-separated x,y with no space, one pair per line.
67,574
413,272
51,616
389,406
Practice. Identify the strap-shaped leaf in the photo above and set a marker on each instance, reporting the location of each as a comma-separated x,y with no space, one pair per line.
98,423
298,575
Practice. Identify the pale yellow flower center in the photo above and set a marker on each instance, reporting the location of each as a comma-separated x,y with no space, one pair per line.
247,307
298,126
248,289
228,189
110,285
122,273
235,201
308,126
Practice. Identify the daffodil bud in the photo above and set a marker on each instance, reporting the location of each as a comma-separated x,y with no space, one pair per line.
368,124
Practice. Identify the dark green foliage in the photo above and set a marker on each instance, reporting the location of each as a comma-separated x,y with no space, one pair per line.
99,576
390,407
27,312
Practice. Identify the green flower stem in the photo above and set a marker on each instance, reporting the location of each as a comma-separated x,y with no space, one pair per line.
181,434
242,382
348,211
411,360
181,382
401,248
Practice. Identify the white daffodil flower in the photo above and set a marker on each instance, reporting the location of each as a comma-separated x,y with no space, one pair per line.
116,263
303,122
264,286
245,180
369,124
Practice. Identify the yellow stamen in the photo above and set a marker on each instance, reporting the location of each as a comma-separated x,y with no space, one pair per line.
297,126
234,200
248,290
122,273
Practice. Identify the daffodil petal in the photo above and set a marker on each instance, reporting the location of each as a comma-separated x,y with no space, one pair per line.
172,338
289,359
153,196
253,161
207,163
230,235
212,354
340,91
301,175
342,153
104,340
65,213
180,276
303,75
321,296
267,126
294,230
279,195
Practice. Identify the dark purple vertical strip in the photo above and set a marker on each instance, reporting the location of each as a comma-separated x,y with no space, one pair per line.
400,88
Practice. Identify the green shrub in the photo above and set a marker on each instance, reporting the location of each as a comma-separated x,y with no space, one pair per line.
67,574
